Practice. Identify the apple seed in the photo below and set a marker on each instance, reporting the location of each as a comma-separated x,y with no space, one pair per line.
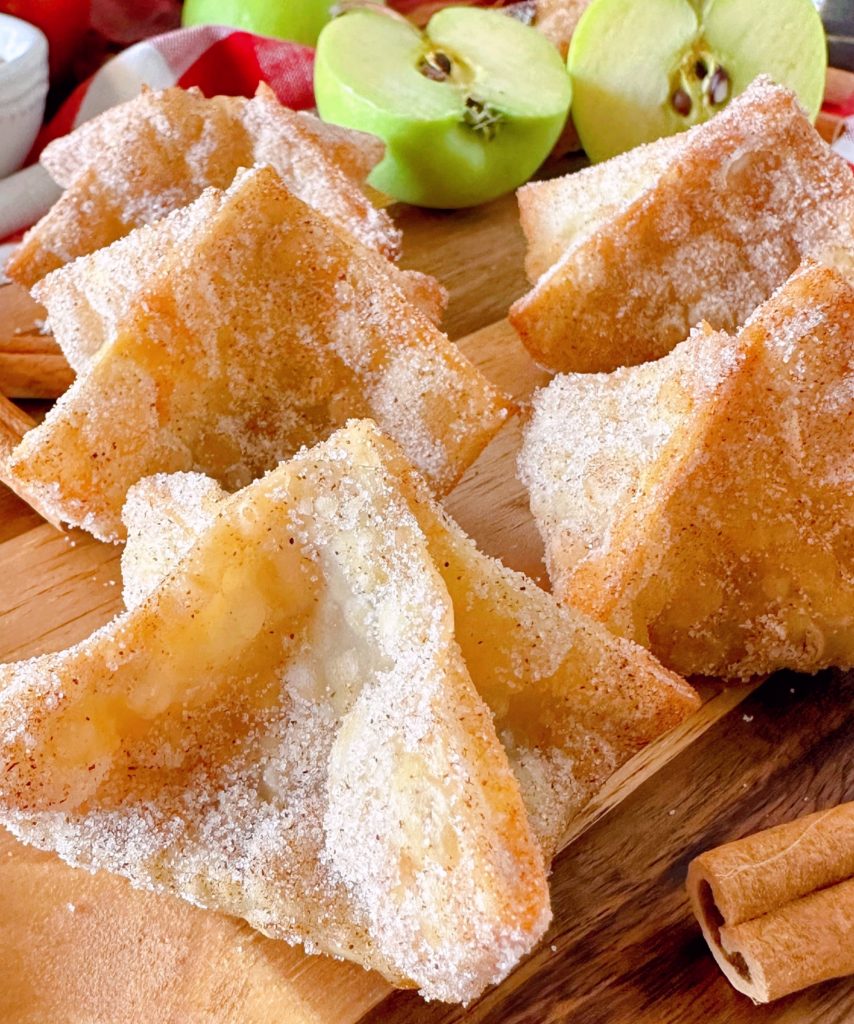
681,102
436,66
718,86
700,69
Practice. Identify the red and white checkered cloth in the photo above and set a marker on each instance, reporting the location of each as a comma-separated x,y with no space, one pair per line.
214,58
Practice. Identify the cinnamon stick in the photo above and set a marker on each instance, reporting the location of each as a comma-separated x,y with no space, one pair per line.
31,363
14,423
777,908
32,366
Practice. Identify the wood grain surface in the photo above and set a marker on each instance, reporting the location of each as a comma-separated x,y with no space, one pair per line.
83,949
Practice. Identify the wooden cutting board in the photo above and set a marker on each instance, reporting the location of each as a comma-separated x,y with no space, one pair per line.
83,949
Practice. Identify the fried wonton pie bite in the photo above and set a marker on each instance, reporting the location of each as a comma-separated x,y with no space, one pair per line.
703,505
629,255
571,703
142,159
285,730
253,328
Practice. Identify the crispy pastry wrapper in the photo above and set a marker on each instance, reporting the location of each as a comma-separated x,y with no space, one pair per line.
142,159
702,504
570,701
627,256
777,908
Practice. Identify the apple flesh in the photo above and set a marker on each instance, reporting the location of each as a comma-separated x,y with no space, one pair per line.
468,109
297,20
641,71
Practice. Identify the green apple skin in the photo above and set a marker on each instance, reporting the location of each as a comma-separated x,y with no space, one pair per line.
626,57
366,77
299,21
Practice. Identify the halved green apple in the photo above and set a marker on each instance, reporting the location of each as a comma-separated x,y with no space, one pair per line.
643,70
468,109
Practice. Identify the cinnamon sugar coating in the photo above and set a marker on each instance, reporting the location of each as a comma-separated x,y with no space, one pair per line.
285,730
142,159
703,505
557,19
251,326
629,255
570,701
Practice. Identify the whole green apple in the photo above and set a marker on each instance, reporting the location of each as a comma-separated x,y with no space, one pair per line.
643,69
468,109
297,20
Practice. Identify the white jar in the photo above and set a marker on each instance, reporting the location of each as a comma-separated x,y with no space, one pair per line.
23,88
